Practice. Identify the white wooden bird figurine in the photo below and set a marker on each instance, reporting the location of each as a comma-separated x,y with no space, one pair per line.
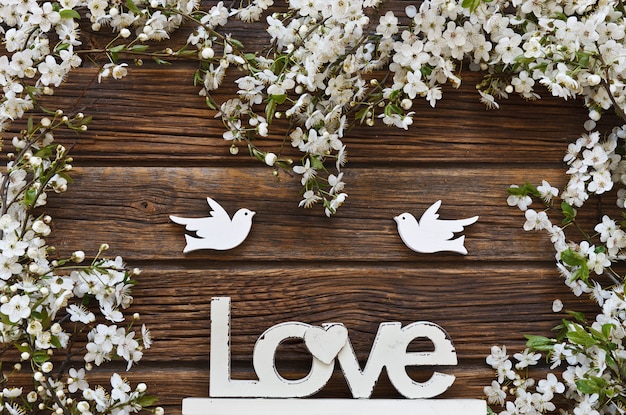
217,231
431,234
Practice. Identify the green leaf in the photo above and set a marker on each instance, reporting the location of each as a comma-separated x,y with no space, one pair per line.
198,79
40,356
316,163
69,14
279,64
526,189
472,5
539,342
569,213
572,258
132,7
606,330
578,316
583,58
278,98
270,110
361,114
394,94
591,385
61,46
161,61
117,48
139,48
54,340
22,348
147,400
236,43
578,335
392,109
30,196
426,70
86,120
210,103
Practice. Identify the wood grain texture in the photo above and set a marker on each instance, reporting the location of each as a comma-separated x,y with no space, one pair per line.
154,149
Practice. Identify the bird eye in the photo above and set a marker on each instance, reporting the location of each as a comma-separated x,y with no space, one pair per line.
245,213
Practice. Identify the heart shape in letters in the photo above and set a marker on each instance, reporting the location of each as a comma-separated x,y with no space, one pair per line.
325,343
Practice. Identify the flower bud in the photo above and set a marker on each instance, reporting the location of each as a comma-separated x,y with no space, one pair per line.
207,53
47,367
594,79
141,388
82,406
25,356
406,104
270,159
78,256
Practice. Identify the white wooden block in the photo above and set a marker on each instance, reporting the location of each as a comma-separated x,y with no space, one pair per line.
217,406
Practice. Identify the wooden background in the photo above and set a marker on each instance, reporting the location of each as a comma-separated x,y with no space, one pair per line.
154,149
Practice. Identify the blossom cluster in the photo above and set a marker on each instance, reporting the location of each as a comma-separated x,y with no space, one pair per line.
331,64
54,309
589,354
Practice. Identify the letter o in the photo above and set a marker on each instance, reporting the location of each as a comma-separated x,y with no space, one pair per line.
271,383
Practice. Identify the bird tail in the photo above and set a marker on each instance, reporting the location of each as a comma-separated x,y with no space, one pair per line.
193,244
457,245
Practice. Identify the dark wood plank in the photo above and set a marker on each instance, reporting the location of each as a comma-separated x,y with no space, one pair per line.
141,119
129,208
477,305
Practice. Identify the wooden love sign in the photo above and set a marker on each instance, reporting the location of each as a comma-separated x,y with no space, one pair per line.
328,344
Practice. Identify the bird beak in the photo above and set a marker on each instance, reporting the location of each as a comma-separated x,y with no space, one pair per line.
396,218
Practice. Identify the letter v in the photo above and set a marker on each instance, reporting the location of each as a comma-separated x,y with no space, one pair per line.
362,382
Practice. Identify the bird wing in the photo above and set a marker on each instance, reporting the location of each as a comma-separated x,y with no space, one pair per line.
429,217
217,211
215,224
444,229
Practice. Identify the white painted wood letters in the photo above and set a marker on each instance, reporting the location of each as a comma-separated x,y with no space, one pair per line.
327,344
